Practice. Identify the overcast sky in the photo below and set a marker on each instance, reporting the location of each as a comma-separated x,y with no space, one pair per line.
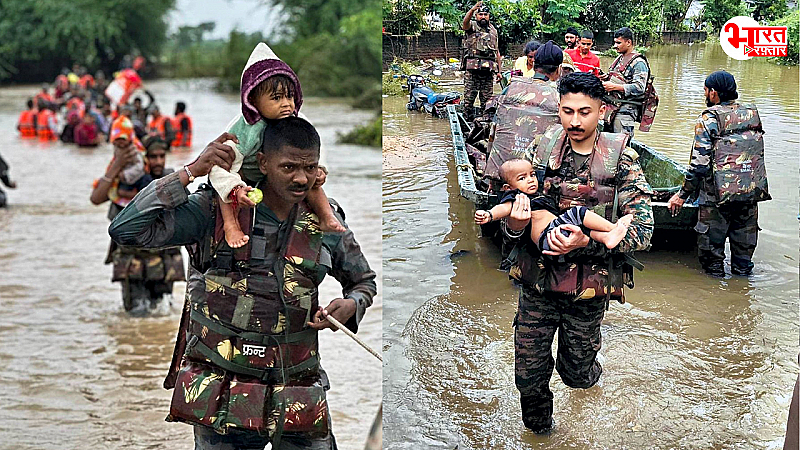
244,15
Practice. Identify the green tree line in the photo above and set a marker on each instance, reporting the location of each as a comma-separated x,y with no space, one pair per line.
521,20
39,38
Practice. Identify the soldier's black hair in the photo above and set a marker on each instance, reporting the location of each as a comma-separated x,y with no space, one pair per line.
624,33
581,83
291,131
280,84
572,30
532,46
180,107
587,35
29,103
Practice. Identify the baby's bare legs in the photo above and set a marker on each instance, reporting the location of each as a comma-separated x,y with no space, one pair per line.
230,223
319,204
606,232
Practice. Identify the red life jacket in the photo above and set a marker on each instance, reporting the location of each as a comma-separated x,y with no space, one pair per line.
182,138
43,127
27,124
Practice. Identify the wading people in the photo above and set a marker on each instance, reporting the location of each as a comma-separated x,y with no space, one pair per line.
145,275
727,176
582,167
481,60
6,180
160,125
626,80
525,62
26,125
182,124
249,330
582,57
571,38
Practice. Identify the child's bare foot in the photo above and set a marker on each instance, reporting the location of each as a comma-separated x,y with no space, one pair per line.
612,238
234,235
331,224
626,219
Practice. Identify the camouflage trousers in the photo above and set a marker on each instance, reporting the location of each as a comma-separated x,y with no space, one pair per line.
476,83
140,297
624,121
578,325
737,221
207,439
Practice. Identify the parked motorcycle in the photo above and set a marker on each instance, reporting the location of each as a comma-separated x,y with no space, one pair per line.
423,98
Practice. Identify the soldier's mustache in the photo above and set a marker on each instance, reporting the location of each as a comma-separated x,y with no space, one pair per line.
578,129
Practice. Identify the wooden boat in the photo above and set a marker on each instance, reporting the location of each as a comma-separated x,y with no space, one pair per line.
664,175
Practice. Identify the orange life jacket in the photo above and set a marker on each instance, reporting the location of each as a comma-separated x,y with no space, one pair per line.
86,81
182,139
27,124
41,99
157,126
43,127
77,101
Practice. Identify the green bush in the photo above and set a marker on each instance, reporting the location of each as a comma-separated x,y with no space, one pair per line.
792,22
369,134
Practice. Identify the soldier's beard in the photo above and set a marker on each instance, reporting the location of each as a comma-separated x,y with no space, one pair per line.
483,22
709,103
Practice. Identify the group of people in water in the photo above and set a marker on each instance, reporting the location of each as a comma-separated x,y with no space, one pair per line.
80,108
266,253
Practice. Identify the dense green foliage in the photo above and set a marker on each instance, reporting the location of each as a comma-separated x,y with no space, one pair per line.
39,38
333,46
717,12
369,134
520,20
792,22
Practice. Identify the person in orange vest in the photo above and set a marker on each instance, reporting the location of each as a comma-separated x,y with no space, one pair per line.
27,121
183,126
86,80
46,127
62,84
160,125
43,98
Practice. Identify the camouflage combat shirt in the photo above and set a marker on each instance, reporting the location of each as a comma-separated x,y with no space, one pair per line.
634,194
699,183
164,215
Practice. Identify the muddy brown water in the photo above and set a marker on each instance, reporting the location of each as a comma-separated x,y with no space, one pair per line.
692,362
77,372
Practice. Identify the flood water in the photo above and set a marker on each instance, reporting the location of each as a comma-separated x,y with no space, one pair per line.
78,372
691,362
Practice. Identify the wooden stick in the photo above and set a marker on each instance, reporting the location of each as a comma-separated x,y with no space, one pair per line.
353,336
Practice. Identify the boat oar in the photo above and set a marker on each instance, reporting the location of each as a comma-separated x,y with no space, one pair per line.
353,336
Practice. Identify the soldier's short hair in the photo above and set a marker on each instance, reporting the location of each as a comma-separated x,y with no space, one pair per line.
291,131
581,83
587,35
624,33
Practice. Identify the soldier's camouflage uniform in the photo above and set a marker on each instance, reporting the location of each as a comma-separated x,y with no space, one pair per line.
736,220
163,214
636,81
145,275
576,316
478,83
